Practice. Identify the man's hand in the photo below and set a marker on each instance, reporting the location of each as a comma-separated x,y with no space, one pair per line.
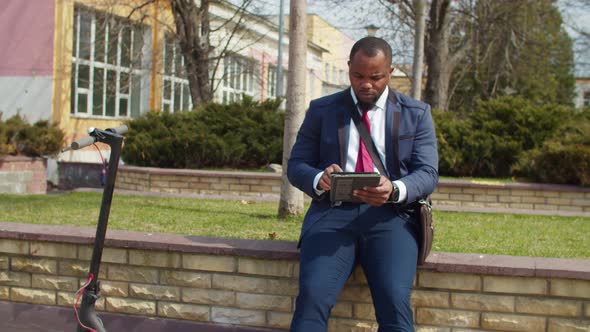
325,182
375,196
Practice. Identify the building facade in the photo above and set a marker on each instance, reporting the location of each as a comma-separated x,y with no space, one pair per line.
582,98
26,58
332,76
98,63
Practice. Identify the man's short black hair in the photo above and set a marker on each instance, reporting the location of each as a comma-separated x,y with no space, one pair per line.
371,46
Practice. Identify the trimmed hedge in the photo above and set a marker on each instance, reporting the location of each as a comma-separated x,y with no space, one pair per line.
18,137
505,137
564,157
511,136
239,135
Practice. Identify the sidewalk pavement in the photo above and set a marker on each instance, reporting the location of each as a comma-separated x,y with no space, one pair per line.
25,317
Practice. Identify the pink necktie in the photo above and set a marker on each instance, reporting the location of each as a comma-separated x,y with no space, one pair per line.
364,163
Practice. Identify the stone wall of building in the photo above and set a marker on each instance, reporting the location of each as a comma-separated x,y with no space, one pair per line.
254,283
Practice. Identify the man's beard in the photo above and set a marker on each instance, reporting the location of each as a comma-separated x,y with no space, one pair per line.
366,106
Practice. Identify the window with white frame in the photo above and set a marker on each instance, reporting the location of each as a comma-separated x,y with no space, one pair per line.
271,82
239,77
586,98
106,65
175,86
311,77
335,75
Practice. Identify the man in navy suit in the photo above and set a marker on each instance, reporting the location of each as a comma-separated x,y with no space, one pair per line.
379,233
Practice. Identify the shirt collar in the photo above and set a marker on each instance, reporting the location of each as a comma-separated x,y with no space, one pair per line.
381,102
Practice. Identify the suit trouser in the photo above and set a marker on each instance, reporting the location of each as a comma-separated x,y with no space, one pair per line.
381,240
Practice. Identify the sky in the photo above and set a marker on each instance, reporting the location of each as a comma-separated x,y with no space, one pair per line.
341,16
577,17
344,16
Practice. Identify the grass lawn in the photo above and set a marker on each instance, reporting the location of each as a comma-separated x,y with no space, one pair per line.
500,234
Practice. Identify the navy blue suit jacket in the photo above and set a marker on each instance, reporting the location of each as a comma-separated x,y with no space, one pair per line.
320,143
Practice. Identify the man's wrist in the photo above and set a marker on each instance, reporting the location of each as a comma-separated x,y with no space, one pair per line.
316,183
394,196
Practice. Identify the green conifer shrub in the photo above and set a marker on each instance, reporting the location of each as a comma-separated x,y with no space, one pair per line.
563,158
18,137
489,141
244,134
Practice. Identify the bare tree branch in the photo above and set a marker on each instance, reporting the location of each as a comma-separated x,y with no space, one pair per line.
140,7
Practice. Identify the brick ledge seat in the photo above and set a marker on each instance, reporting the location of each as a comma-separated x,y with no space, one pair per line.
266,249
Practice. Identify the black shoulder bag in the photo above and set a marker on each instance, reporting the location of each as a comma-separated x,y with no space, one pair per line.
423,206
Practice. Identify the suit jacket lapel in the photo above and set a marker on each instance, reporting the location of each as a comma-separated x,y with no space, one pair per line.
342,138
393,113
344,127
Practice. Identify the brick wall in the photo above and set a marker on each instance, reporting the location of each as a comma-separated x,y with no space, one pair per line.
23,175
449,193
548,198
254,283
185,181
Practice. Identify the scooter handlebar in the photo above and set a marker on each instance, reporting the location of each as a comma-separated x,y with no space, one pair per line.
122,129
89,140
81,143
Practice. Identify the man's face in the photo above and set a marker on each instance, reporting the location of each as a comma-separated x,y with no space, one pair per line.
368,76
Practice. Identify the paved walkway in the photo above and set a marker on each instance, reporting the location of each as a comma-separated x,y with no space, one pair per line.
24,317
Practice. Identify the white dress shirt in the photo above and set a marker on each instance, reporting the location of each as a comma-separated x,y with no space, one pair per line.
377,119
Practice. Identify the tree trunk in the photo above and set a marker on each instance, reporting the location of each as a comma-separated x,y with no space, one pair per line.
420,9
437,55
291,202
192,30
438,80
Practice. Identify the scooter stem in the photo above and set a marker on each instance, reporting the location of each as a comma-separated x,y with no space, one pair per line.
87,313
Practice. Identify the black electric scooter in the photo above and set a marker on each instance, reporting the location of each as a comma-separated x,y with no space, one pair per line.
88,321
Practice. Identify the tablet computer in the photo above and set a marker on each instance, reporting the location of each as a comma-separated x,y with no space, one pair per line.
343,183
